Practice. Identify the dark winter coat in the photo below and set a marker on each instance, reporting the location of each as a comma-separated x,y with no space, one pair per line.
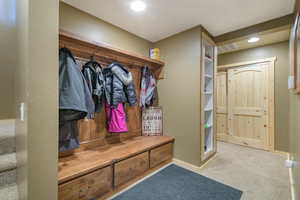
74,93
120,85
92,72
75,100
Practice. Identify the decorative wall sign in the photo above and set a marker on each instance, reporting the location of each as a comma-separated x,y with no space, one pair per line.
152,121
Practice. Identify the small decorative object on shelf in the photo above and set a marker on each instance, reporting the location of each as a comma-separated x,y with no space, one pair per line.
155,53
152,121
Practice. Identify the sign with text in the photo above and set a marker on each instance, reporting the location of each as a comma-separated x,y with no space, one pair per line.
152,121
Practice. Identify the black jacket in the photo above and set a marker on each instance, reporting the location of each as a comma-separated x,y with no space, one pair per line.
120,85
92,72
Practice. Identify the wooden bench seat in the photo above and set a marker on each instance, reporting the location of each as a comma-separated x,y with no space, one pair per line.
85,162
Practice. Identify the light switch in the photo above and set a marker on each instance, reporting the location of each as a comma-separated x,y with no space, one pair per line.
22,112
291,82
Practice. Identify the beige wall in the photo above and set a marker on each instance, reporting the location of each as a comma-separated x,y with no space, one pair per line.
8,46
179,93
295,140
20,96
295,135
36,85
280,50
88,26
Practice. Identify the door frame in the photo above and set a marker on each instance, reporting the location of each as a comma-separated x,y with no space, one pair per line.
271,92
221,111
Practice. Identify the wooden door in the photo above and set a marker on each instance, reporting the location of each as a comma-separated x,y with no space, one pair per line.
221,82
248,105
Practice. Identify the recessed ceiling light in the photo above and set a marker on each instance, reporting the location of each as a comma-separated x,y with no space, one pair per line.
253,39
138,6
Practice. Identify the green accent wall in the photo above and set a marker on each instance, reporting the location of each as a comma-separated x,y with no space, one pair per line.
85,25
36,85
179,92
8,53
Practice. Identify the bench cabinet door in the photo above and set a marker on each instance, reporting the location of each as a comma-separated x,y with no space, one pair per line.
131,168
161,154
95,184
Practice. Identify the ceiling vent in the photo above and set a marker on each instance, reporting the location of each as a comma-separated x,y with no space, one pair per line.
227,48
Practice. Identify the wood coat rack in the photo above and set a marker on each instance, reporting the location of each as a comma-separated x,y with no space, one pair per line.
93,132
106,54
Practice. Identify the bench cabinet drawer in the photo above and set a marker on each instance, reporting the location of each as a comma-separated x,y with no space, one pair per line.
95,184
161,154
73,190
131,168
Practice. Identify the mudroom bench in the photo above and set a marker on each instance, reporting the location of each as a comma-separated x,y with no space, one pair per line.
105,162
103,171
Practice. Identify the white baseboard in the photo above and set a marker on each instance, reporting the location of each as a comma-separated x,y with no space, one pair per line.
185,165
292,182
190,166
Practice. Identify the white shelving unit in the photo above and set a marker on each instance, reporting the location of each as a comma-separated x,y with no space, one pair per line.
208,98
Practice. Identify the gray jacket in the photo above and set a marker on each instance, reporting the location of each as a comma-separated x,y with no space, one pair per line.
119,84
75,101
74,93
149,95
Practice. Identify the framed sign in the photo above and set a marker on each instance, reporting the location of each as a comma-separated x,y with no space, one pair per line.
152,121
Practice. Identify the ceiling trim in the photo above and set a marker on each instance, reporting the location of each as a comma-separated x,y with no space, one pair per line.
274,24
206,31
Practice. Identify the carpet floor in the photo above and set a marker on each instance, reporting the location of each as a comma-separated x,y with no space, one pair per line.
261,175
177,183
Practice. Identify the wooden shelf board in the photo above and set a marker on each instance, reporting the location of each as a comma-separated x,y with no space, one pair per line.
208,109
90,160
84,42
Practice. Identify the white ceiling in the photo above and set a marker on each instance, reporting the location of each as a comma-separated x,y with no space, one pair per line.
163,18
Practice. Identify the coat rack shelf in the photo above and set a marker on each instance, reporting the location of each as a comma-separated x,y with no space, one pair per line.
106,54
